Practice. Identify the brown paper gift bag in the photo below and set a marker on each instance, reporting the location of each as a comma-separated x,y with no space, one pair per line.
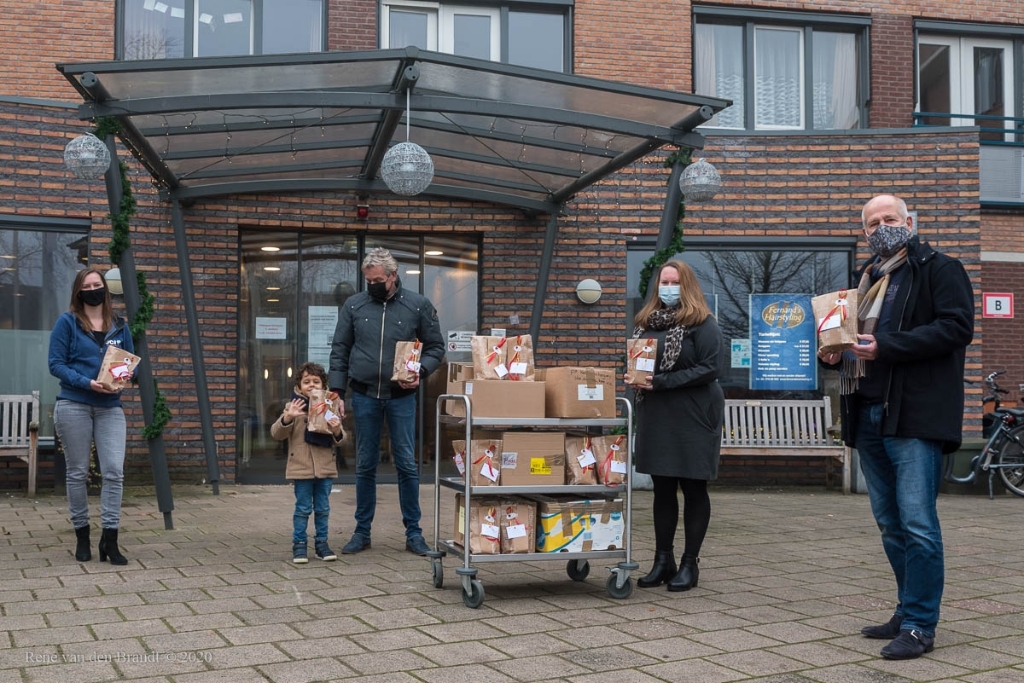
117,368
835,315
641,355
519,355
518,526
484,525
323,405
612,459
489,357
484,460
580,461
407,361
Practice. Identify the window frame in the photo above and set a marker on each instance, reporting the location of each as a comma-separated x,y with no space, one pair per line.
502,8
807,22
191,19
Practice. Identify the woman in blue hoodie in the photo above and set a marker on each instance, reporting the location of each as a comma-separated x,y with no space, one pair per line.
86,412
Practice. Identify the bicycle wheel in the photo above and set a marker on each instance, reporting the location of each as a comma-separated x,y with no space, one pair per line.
1010,461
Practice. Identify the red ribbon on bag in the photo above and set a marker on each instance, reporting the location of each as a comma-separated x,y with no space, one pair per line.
515,358
641,350
840,308
494,353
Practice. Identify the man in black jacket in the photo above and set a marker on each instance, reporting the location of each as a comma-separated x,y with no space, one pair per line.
362,355
902,404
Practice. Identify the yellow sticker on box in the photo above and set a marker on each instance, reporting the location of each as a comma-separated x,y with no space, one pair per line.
539,466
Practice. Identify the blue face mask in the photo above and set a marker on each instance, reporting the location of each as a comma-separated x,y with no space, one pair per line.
669,294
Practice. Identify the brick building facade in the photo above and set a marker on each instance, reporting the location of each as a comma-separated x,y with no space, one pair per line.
802,185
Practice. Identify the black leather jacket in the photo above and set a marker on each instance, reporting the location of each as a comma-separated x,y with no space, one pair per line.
363,350
933,324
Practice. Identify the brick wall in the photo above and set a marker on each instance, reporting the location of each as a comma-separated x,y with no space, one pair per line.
1005,352
352,25
37,35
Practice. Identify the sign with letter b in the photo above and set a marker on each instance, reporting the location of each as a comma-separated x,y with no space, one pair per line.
997,304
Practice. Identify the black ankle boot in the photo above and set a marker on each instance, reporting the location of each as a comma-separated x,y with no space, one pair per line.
687,576
108,548
83,553
664,568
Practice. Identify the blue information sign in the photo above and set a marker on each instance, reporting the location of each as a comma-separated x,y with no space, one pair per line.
782,342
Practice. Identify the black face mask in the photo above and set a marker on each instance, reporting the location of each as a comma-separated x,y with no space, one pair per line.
378,290
93,297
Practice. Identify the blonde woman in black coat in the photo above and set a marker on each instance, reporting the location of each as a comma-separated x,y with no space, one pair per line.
679,412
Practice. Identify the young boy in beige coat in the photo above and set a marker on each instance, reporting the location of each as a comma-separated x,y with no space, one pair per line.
311,465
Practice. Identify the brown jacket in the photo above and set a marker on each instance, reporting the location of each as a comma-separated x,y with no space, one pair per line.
305,460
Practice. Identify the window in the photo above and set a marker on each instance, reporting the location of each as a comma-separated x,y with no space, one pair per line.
38,263
729,275
158,29
526,34
959,75
790,74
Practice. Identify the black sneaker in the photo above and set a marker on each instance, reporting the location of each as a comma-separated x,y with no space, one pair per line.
299,553
886,631
416,544
908,645
324,552
356,544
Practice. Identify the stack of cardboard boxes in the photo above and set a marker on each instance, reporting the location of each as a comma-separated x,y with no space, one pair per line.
536,523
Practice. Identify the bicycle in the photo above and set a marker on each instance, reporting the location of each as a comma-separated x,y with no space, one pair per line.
1004,450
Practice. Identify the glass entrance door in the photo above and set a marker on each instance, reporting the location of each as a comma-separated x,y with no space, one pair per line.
292,288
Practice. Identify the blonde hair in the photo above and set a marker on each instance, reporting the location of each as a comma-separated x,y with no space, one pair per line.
693,307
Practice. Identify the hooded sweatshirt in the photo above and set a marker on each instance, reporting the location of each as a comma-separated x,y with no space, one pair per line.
75,359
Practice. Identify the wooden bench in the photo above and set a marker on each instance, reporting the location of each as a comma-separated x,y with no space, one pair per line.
786,429
19,431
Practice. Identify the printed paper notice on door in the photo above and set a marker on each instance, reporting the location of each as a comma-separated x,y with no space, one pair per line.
271,328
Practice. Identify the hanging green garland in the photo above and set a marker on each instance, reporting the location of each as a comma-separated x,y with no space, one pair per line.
676,246
119,243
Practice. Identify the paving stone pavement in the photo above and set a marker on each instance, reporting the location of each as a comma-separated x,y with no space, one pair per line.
788,577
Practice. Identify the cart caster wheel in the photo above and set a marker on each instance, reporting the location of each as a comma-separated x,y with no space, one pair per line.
619,593
578,570
475,597
437,569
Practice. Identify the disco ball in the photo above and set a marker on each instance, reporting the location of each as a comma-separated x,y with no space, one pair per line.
87,156
407,169
700,182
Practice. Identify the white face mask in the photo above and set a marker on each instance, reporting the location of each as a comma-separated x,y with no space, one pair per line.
669,294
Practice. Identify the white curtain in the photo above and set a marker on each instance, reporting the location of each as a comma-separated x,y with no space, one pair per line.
835,81
777,81
718,70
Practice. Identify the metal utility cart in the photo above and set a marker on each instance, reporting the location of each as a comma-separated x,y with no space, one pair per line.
619,584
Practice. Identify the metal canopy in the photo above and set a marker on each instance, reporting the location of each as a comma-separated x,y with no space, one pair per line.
496,133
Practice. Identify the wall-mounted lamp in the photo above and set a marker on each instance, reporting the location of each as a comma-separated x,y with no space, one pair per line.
588,291
113,278
362,212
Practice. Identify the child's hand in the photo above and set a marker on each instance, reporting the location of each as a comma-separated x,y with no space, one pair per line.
294,409
335,424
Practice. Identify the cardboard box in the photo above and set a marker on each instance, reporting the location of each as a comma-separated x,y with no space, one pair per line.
498,398
458,374
570,524
532,458
578,392
484,524
518,525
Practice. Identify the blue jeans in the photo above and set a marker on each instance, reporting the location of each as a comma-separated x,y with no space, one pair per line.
369,414
78,425
903,477
311,495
